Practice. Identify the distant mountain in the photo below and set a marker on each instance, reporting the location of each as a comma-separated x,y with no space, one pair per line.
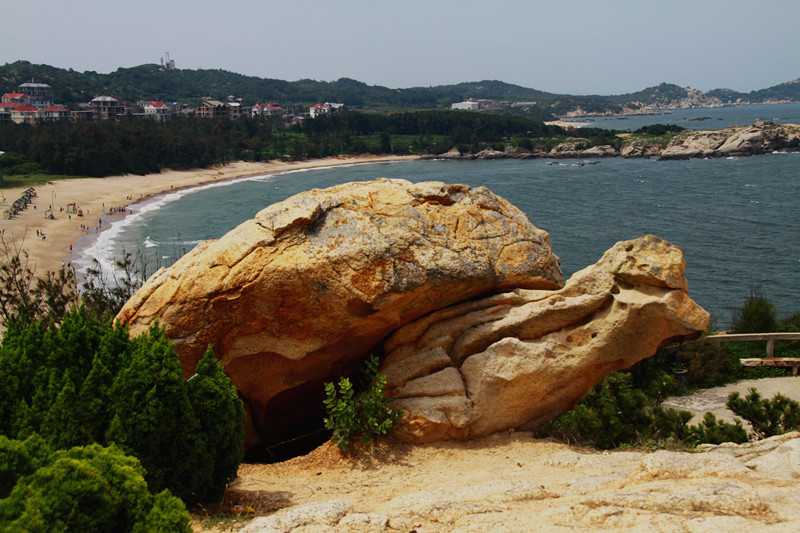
785,92
495,90
151,82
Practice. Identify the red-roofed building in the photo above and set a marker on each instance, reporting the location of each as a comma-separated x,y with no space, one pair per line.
55,112
318,109
324,109
157,110
25,114
267,110
15,98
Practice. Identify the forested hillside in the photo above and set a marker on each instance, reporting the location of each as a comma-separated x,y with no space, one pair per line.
151,82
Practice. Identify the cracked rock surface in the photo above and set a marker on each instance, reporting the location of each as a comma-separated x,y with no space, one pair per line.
300,294
520,358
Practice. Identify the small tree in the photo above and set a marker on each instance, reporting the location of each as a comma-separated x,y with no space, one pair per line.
221,416
24,297
154,420
757,315
106,295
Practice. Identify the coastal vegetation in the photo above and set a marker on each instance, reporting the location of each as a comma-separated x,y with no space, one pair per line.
142,146
100,431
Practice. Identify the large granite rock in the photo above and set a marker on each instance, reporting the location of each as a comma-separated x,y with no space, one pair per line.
762,137
520,358
300,294
639,148
699,144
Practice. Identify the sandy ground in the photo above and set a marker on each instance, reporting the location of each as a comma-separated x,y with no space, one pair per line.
96,196
567,123
511,482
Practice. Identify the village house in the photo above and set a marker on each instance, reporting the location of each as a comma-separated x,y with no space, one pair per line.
157,110
467,105
325,109
25,114
55,112
106,108
16,98
212,109
267,110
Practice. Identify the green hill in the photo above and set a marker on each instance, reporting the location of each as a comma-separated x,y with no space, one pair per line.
151,82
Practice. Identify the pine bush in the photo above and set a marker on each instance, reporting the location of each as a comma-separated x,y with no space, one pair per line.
90,489
767,417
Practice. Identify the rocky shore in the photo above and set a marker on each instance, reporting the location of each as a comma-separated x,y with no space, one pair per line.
736,141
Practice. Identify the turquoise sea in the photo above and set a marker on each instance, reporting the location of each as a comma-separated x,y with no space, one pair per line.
738,219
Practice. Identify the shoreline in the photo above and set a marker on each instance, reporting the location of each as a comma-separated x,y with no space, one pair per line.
95,196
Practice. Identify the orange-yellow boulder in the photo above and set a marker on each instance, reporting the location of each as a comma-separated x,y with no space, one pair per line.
301,293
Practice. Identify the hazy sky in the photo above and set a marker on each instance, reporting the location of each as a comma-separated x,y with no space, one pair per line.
562,46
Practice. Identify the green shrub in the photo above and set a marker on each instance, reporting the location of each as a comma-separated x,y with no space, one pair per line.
713,431
362,415
90,489
614,413
767,417
20,458
86,381
757,315
154,420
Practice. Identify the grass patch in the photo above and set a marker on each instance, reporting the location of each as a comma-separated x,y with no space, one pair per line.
32,180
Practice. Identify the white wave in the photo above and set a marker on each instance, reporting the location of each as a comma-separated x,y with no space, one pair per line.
149,243
105,246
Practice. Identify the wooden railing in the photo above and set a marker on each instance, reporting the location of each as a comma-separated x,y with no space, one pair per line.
769,360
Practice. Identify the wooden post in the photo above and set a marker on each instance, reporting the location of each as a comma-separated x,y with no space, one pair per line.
771,348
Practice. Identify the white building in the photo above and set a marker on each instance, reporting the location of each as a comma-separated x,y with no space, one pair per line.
325,109
469,105
157,110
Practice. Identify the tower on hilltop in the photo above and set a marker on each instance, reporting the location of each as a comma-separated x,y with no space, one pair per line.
168,64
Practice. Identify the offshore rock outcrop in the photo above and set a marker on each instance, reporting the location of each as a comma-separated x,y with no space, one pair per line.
521,358
299,295
759,138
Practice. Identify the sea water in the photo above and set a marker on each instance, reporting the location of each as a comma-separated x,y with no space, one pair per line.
737,219
702,118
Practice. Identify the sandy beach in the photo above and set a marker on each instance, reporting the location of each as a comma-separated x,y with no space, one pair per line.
567,123
97,196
